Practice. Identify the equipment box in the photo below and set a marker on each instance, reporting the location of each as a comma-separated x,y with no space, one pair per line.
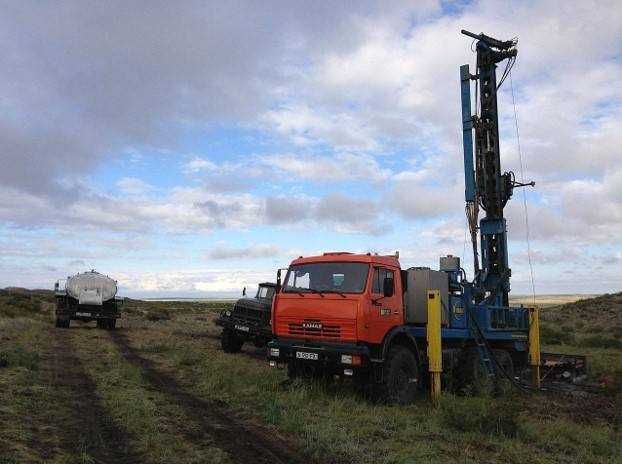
418,281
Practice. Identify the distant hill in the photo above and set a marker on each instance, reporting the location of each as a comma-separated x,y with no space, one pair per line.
16,301
601,312
597,320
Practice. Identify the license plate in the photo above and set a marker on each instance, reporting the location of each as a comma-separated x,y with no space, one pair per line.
241,328
305,355
84,314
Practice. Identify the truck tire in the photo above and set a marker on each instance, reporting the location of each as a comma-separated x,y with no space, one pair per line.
62,323
230,342
476,378
400,380
504,359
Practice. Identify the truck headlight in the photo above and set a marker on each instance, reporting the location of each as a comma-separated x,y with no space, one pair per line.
228,313
275,352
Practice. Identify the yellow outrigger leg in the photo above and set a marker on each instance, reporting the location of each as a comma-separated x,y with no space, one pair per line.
435,355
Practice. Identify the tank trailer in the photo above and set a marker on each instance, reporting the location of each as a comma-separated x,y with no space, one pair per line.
86,297
363,316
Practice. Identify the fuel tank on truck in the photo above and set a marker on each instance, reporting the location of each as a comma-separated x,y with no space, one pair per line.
91,288
313,317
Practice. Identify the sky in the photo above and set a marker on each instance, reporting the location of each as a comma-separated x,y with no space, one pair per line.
192,148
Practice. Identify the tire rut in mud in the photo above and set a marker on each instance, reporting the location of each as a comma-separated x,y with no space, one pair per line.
88,429
248,350
244,442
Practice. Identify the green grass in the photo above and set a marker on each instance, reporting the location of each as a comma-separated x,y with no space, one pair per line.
23,303
337,421
333,422
26,400
154,423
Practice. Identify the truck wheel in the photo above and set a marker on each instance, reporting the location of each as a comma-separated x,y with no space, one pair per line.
400,383
230,342
62,323
476,378
504,359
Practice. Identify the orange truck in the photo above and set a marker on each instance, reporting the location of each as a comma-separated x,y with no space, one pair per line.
362,316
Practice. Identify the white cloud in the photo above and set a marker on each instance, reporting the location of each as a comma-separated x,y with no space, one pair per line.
361,92
251,252
134,186
198,164
307,126
192,281
334,168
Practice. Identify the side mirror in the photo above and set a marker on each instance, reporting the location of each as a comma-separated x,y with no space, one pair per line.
387,287
244,291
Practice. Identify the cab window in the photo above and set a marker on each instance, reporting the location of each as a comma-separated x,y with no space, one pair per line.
265,292
380,273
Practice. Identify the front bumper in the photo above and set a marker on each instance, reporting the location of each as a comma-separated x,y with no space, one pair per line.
86,315
328,357
244,327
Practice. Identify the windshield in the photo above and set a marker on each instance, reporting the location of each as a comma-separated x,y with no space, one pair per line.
265,292
327,277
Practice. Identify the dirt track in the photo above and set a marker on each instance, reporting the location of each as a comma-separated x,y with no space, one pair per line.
87,429
244,442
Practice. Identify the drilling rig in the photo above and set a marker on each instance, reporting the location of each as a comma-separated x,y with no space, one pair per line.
362,316
485,186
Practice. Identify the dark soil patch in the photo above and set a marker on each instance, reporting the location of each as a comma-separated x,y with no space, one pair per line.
245,442
87,430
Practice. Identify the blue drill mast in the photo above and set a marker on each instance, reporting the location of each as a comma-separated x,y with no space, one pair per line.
486,186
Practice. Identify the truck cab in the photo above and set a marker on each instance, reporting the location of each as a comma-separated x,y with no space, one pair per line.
339,298
362,316
248,320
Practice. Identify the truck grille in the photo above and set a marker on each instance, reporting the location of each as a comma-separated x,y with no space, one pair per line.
324,330
317,329
249,313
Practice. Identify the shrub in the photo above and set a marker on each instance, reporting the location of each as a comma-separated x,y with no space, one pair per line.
554,336
19,357
158,315
481,415
599,341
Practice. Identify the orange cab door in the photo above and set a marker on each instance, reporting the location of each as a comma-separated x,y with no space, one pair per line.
385,311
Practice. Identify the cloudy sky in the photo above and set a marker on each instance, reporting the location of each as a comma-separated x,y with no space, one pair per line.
194,147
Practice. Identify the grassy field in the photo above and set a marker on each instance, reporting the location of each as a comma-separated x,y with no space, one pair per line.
160,390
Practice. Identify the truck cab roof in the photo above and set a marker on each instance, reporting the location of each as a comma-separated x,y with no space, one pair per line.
267,284
339,256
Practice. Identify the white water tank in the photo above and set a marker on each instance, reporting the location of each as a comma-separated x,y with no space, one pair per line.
91,288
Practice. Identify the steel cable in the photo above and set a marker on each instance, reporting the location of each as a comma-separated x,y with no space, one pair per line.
522,179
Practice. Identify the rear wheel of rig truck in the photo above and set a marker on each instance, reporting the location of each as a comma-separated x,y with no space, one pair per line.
400,380
230,342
